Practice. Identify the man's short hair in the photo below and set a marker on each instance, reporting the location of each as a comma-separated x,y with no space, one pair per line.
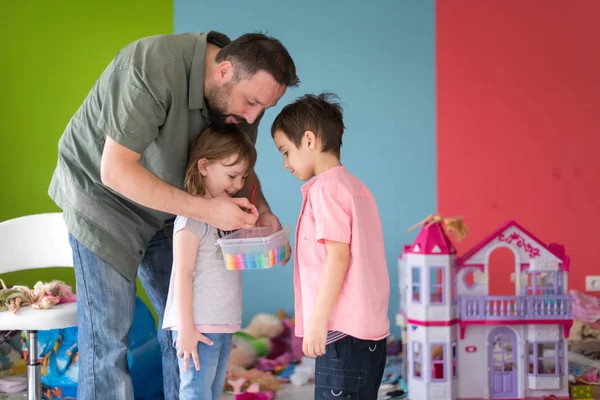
255,52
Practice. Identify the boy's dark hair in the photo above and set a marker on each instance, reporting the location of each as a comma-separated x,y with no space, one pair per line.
320,114
255,52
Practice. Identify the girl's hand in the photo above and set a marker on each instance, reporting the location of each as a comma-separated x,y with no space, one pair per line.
187,344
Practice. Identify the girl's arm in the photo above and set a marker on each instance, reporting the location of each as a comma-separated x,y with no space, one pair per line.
186,248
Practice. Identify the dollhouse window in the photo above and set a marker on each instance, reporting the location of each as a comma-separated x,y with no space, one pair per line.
416,284
454,359
436,285
417,356
542,283
469,278
438,365
545,358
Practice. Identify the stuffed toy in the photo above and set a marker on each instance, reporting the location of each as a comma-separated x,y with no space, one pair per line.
255,341
42,296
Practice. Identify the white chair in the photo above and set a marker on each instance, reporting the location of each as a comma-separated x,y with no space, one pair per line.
35,241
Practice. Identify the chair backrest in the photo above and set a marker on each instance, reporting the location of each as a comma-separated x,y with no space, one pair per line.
34,241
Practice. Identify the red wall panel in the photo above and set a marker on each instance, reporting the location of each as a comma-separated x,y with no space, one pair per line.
518,113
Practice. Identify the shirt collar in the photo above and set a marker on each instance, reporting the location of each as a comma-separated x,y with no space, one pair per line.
306,187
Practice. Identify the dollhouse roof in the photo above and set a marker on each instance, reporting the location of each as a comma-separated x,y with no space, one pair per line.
431,240
525,242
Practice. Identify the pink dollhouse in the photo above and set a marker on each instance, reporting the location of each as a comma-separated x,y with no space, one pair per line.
462,343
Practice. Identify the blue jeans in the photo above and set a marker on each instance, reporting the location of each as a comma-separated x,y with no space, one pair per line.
208,382
350,369
105,309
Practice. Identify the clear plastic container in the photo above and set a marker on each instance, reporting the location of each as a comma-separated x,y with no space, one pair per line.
255,248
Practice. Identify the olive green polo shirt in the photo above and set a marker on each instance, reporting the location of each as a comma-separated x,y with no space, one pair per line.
149,99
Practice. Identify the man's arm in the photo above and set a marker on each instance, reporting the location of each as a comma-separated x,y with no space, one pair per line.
121,171
132,111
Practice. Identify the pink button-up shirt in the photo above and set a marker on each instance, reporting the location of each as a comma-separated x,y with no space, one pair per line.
338,207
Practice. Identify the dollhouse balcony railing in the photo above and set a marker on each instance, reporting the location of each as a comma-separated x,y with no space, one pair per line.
515,308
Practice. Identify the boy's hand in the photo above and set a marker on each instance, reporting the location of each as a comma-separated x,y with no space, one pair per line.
313,344
187,345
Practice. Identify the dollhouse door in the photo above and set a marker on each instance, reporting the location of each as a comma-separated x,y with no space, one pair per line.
503,382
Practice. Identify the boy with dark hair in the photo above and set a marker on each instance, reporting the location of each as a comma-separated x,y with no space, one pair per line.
341,281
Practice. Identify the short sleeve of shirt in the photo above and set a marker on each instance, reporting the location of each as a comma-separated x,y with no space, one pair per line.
332,214
199,228
130,114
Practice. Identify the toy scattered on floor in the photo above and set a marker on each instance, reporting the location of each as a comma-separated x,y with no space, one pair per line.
58,352
583,332
455,329
394,347
286,372
273,365
255,248
252,380
392,374
304,372
265,354
42,296
11,357
266,395
13,384
452,226
395,394
255,340
586,308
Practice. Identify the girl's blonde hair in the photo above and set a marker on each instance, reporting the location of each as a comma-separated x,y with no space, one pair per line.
214,145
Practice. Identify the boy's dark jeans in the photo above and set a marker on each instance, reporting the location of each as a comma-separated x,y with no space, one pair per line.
350,369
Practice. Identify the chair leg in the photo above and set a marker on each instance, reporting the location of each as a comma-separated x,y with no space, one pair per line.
34,379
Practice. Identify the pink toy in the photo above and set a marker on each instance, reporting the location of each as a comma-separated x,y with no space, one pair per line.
267,395
266,364
585,307
462,343
294,343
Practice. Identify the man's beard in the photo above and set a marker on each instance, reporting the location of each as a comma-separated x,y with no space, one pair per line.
216,104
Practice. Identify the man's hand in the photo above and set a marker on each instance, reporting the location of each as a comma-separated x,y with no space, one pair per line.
313,344
268,219
228,213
